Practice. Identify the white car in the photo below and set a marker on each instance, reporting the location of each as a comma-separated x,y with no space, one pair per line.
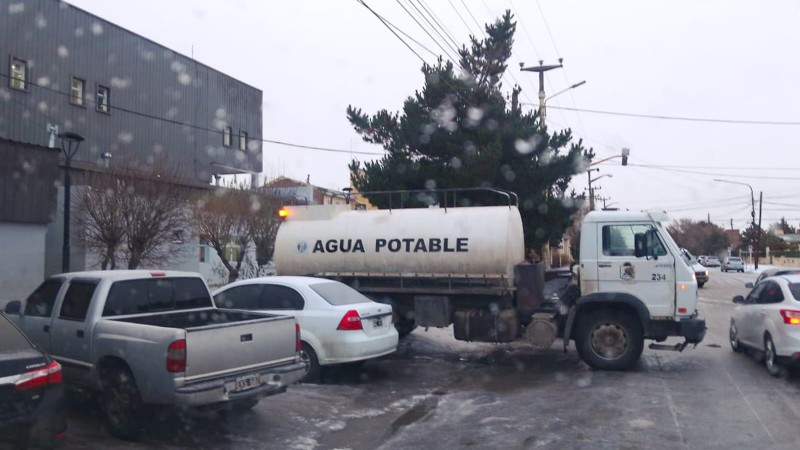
337,323
768,321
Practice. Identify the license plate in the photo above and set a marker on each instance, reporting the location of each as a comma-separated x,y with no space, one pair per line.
248,382
378,322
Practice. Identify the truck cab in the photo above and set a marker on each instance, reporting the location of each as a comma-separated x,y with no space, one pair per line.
630,263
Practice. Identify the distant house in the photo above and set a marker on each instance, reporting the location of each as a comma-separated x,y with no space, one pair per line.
304,193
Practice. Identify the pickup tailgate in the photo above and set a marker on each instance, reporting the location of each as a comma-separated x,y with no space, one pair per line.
223,349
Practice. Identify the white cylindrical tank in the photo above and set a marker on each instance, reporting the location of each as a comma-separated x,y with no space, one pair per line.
458,242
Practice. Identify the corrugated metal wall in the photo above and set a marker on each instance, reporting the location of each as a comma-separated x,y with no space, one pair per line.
28,176
161,102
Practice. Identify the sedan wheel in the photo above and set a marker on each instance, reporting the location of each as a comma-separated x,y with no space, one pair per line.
309,358
770,358
734,337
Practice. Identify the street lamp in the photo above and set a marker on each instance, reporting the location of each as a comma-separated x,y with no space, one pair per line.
757,230
69,145
623,154
543,104
592,180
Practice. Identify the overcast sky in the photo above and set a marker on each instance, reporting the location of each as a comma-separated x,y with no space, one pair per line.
722,60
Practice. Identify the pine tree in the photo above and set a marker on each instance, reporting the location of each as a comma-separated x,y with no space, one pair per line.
459,131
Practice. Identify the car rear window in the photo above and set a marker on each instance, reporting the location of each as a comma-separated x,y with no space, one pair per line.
794,288
734,259
11,339
156,294
338,294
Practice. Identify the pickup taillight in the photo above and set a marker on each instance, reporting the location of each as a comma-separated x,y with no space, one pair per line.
297,345
176,356
40,377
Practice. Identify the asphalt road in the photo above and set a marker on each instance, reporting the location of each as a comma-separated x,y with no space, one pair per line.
436,392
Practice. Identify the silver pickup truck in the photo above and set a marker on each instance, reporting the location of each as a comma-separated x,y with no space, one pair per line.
154,337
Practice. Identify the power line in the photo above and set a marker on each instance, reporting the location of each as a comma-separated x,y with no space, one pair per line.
688,119
438,44
390,29
192,126
755,177
438,23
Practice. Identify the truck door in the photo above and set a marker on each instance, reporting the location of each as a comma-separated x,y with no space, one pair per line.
650,280
37,315
70,337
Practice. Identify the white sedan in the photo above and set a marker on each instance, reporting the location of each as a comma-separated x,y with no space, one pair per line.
337,323
768,321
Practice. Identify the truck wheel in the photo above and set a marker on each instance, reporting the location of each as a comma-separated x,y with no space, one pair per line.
122,403
700,284
309,358
610,340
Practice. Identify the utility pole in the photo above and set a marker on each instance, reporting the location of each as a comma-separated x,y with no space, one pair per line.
758,230
541,69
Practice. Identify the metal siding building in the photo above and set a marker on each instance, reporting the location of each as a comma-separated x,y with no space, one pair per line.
166,111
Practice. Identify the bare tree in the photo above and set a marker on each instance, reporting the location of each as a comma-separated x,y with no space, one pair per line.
264,223
238,216
152,211
132,216
221,218
101,219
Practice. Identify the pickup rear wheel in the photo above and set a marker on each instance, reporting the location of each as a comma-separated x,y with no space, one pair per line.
610,340
309,358
123,403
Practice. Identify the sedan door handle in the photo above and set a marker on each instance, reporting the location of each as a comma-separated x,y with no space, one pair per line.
46,328
604,264
79,333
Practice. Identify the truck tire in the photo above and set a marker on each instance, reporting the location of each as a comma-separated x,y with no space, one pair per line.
309,357
700,284
609,340
122,403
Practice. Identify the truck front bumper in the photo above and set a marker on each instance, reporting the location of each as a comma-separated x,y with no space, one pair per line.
271,381
694,330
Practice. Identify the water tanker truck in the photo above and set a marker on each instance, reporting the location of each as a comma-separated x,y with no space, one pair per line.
464,266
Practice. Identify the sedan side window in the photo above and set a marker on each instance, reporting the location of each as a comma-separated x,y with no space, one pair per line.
752,297
240,297
770,294
281,297
40,303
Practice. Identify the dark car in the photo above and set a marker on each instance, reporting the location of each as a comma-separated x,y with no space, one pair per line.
32,405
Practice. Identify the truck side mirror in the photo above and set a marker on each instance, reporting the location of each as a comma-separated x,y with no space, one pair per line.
13,307
738,299
749,284
639,245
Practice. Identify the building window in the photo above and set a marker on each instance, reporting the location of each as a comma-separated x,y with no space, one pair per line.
242,140
103,98
76,91
19,74
226,136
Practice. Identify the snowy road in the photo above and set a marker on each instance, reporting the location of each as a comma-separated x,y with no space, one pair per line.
436,392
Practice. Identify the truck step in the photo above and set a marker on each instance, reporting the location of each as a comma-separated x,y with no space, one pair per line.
673,348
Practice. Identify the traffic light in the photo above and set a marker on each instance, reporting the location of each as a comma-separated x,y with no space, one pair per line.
625,153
